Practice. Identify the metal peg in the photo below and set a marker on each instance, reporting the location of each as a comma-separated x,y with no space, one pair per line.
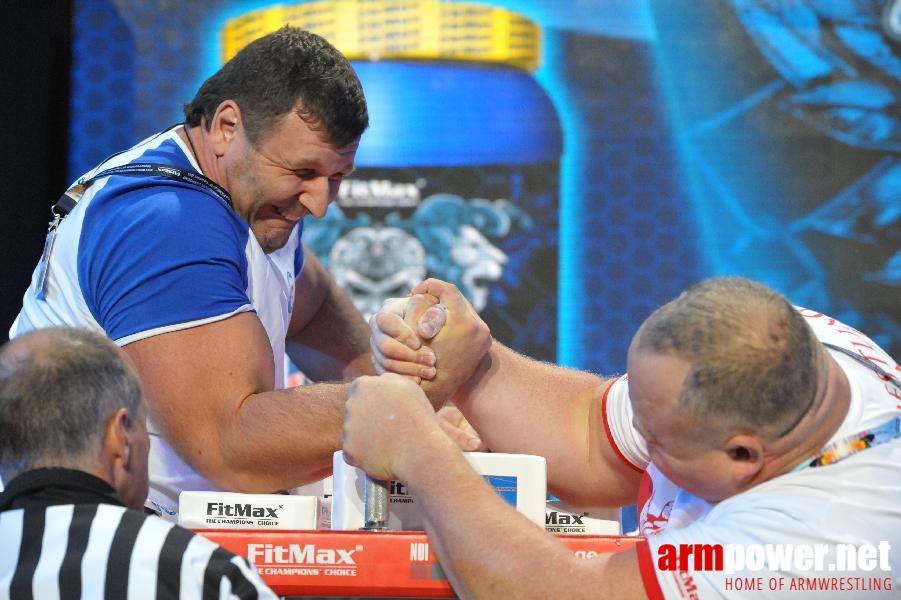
375,504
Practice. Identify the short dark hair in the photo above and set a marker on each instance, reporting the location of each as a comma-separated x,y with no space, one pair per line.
58,387
754,360
288,70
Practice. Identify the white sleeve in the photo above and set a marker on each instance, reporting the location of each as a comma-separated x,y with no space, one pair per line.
625,439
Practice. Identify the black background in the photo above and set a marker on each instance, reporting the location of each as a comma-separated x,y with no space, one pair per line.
35,37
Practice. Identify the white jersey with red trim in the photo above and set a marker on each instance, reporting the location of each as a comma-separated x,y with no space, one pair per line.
850,507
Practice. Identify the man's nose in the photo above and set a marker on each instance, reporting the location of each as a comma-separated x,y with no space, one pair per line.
317,194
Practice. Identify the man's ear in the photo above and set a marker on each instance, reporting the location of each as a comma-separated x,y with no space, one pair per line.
121,464
746,458
116,441
224,126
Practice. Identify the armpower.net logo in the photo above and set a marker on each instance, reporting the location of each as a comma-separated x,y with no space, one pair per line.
760,567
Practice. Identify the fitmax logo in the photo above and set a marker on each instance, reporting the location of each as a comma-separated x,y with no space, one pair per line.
241,510
307,554
555,518
378,192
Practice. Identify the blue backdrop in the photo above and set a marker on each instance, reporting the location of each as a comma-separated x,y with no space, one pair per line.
700,137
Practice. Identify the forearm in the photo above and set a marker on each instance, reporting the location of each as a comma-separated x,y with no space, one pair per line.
536,394
506,555
333,345
520,405
391,432
327,338
211,395
282,439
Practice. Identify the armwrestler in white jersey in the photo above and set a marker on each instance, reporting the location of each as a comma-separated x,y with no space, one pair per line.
743,420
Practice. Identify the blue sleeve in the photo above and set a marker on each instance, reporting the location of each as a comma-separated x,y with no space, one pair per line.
160,254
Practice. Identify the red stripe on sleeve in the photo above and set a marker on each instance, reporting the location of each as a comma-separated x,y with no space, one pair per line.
609,434
648,571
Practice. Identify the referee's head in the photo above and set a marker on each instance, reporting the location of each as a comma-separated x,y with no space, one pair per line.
70,398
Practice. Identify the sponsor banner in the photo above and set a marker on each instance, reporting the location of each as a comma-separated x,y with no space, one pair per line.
562,518
229,510
363,563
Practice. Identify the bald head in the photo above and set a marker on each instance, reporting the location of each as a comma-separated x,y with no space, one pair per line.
58,389
753,359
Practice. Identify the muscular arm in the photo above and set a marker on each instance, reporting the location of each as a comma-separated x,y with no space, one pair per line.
527,562
210,393
328,339
521,405
391,432
517,404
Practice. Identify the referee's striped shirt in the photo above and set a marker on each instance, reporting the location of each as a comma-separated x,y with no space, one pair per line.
64,534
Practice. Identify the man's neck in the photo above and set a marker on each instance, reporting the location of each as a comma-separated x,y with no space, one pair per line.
196,141
819,425
47,486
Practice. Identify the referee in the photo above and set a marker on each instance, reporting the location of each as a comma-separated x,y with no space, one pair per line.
73,449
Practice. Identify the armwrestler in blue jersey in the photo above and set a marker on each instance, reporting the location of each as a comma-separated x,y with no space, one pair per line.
195,267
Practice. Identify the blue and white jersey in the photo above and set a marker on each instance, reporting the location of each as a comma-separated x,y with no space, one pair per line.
139,256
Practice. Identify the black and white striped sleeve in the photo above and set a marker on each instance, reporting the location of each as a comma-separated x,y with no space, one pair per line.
107,551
